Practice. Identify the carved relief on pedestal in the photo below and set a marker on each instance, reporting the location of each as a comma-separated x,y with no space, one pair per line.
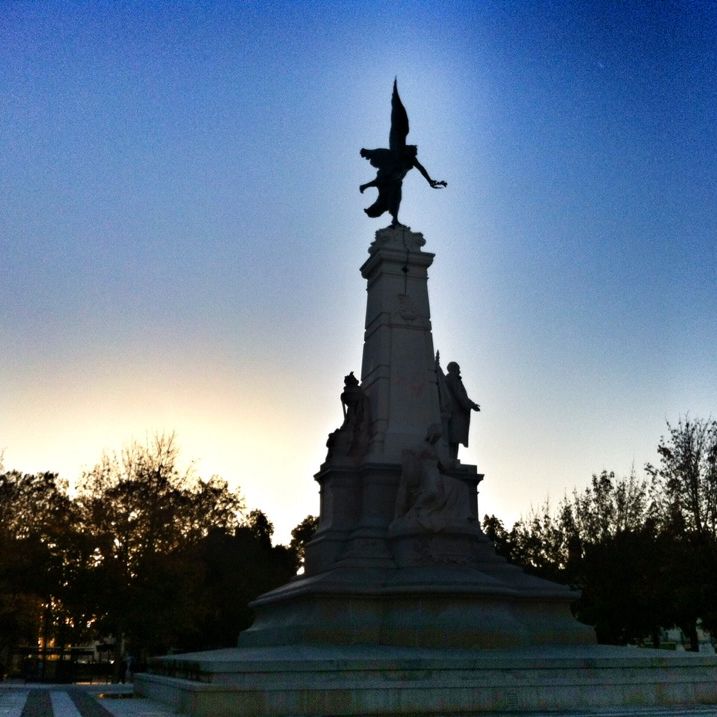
406,308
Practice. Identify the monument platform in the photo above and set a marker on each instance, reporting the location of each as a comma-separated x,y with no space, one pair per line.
380,680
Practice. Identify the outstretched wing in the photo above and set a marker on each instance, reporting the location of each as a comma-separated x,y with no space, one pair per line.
379,158
399,122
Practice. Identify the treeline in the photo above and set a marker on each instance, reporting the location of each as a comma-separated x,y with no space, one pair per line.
155,558
160,560
643,550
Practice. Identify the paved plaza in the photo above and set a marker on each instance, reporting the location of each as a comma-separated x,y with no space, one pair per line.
20,700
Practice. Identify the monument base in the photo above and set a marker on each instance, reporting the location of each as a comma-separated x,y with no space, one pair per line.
434,606
382,680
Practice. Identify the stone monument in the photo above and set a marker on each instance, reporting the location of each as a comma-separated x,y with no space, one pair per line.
404,607
399,540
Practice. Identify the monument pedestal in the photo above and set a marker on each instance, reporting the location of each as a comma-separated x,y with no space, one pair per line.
404,607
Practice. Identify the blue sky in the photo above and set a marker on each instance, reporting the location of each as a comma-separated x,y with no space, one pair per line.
181,230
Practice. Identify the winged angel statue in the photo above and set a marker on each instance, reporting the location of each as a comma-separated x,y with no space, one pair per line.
393,164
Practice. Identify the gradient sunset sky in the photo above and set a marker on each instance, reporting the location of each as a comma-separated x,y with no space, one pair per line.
181,229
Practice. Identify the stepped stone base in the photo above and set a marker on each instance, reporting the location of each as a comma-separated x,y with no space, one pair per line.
433,606
382,680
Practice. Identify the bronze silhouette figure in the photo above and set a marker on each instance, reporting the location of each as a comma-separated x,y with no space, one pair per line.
393,164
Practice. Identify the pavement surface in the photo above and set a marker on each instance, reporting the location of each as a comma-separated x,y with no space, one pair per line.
25,700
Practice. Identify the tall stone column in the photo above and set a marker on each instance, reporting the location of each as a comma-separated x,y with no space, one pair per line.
397,370
358,492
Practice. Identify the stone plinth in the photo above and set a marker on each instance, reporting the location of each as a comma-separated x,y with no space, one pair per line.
358,681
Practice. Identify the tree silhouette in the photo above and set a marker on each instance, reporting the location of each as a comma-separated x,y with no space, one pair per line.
36,530
685,489
144,516
642,551
301,535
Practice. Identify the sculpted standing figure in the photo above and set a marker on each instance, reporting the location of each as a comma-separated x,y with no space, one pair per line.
393,164
456,407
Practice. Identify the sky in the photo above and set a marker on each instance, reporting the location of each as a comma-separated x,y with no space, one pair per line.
181,229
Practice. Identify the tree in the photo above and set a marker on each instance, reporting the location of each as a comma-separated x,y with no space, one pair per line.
496,532
148,553
302,534
540,544
144,515
238,568
685,488
623,587
603,541
643,552
36,520
685,480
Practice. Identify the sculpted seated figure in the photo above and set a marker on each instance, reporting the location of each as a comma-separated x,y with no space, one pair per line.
427,497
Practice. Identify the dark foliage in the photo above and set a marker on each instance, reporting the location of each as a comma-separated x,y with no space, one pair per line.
643,552
302,534
154,557
238,567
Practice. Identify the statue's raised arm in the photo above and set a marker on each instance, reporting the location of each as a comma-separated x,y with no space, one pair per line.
393,164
